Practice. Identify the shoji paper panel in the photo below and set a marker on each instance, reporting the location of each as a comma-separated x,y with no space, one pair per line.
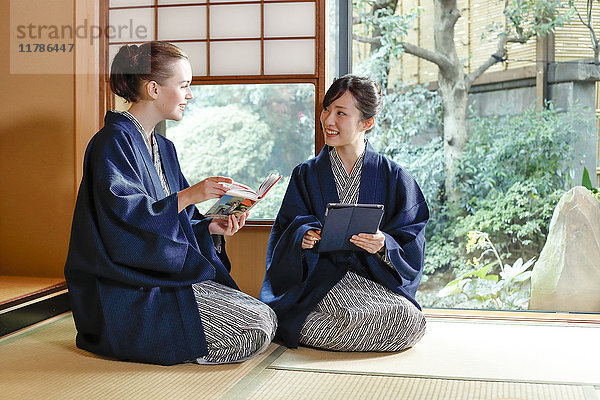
235,21
235,58
197,55
113,49
163,2
130,3
112,52
289,19
283,57
182,23
132,25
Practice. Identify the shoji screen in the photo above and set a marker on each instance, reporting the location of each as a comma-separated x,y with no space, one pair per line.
225,38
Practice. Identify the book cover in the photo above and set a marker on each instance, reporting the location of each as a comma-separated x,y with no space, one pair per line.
240,198
344,220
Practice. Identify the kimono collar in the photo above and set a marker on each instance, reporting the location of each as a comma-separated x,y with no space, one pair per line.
368,180
140,128
139,148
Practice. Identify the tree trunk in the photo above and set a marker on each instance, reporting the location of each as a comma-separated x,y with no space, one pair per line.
454,99
453,88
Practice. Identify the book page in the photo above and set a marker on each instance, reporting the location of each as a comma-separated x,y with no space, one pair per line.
237,189
228,205
267,184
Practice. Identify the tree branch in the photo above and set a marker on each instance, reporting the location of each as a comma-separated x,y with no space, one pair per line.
442,62
494,58
594,39
581,19
367,39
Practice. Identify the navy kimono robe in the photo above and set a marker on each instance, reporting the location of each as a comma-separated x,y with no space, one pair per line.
296,280
133,258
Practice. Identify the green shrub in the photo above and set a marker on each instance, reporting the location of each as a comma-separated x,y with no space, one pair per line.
495,284
511,176
503,150
517,218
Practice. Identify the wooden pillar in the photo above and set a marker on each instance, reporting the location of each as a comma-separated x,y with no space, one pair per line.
87,73
544,54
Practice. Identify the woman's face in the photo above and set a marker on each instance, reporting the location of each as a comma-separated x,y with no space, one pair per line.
341,123
175,92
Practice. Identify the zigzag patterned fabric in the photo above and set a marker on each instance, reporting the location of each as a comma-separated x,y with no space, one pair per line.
236,325
361,315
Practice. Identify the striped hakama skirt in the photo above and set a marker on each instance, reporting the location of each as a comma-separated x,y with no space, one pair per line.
237,326
361,315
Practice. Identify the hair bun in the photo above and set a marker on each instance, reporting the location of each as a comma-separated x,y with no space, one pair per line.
133,65
127,59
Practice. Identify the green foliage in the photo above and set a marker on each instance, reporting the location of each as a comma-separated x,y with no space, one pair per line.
392,28
506,149
388,29
237,145
246,132
513,170
511,175
526,18
493,285
517,218
587,183
407,111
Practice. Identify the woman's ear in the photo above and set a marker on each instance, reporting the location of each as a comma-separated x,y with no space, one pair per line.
368,123
152,89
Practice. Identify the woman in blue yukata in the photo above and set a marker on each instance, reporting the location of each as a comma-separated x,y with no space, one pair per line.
148,275
348,301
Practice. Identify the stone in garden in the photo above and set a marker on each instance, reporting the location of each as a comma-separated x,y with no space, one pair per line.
567,275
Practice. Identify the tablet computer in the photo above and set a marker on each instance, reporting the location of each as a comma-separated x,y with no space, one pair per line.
344,220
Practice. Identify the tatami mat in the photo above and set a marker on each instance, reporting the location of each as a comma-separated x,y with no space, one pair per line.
481,351
45,364
482,361
12,287
329,386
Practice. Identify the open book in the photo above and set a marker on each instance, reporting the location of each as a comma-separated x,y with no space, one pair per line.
240,198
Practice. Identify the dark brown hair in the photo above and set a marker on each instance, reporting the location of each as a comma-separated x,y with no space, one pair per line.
133,65
366,92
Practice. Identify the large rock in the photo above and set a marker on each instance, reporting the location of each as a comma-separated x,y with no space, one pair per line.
567,275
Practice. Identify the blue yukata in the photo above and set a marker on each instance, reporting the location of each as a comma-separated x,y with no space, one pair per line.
133,258
297,280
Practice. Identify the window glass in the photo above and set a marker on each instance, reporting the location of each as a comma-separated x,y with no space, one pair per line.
246,132
492,241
